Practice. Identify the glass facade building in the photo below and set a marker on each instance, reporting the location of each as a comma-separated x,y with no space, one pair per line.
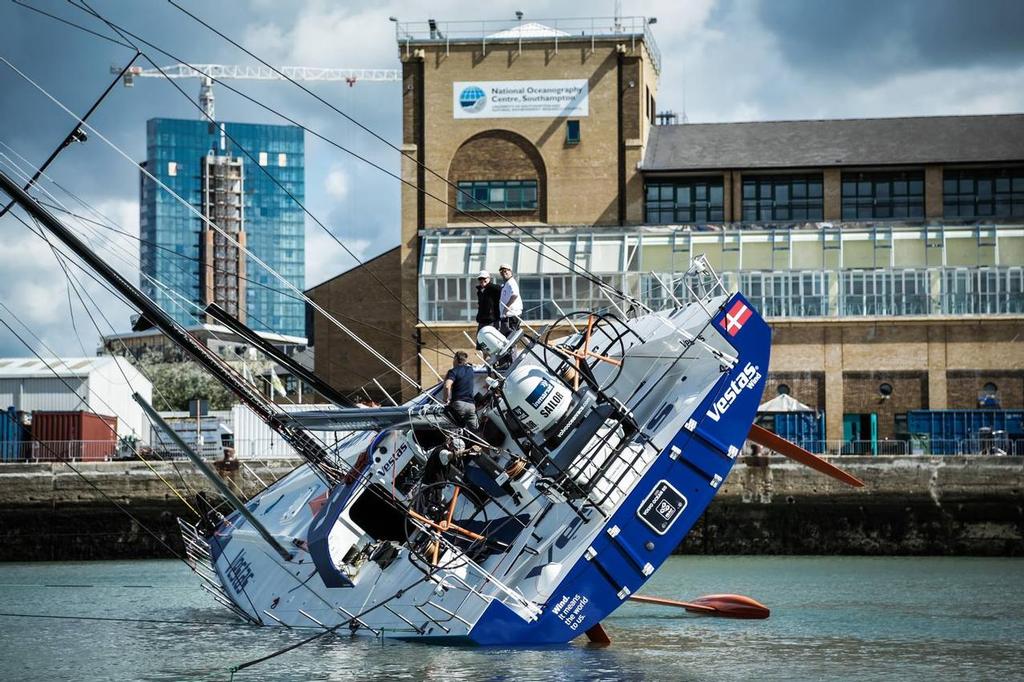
274,224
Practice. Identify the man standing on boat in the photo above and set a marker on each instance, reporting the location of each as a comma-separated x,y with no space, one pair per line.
488,297
458,392
510,305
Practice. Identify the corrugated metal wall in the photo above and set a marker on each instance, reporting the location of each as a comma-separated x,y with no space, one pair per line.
104,391
43,393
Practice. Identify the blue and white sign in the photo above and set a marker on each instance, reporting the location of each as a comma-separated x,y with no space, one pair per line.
520,99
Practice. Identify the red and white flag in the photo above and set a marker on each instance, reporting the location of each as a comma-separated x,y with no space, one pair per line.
733,321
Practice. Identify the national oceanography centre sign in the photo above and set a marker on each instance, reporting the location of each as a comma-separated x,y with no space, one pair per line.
520,99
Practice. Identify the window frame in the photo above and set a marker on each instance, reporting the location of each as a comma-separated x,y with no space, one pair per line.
876,195
482,195
1006,187
570,137
754,204
695,209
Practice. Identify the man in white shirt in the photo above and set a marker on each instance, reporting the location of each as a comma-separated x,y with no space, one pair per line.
510,306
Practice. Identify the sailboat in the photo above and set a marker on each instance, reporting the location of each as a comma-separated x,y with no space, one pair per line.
603,438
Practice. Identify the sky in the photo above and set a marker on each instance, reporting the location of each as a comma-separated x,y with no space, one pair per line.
723,60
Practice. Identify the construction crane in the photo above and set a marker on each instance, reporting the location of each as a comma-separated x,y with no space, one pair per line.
207,73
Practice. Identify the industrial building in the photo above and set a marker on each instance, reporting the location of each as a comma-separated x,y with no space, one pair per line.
186,264
888,254
100,385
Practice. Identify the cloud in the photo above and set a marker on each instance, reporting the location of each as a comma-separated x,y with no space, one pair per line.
337,184
869,39
324,259
733,59
37,291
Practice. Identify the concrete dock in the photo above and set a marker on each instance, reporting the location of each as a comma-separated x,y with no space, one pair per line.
910,505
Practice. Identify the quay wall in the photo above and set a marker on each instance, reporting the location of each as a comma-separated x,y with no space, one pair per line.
910,505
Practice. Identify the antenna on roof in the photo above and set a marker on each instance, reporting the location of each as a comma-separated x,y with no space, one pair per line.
618,16
685,118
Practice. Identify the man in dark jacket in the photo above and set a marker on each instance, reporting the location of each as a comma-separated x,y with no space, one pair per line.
488,294
458,392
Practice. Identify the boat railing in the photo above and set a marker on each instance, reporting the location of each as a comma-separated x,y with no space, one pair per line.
446,570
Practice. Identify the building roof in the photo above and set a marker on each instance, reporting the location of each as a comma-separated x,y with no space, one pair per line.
31,368
205,331
836,142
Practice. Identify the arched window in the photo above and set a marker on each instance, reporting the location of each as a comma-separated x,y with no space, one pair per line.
499,170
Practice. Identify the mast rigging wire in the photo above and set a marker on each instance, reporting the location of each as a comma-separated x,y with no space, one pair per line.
123,32
227,236
572,266
59,257
302,583
75,469
541,252
74,284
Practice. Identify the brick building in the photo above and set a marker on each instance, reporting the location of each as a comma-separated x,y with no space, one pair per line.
887,253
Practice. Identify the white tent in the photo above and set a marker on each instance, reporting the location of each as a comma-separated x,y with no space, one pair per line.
783,403
530,29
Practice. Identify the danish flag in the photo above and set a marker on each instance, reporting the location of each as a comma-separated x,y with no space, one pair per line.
735,318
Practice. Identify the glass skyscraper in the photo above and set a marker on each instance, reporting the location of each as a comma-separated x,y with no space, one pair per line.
177,252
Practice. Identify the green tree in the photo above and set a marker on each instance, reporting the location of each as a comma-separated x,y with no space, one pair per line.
177,383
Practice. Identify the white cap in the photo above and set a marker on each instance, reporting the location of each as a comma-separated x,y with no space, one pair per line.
504,266
483,274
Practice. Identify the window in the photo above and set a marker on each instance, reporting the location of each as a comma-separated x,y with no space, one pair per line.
885,389
783,197
572,132
517,195
282,160
697,200
172,168
883,195
783,389
982,193
263,158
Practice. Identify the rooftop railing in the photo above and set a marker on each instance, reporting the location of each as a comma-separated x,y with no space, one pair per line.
506,31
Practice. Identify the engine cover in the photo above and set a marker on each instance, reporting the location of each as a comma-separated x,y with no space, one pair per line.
537,398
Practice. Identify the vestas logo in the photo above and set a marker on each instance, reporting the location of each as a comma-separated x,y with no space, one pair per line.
472,99
748,379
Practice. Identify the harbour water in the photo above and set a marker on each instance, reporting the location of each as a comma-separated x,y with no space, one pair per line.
853,618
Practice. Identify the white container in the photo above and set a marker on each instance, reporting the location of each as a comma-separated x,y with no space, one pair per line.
255,440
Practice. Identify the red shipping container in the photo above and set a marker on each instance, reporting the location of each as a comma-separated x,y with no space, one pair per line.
81,436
